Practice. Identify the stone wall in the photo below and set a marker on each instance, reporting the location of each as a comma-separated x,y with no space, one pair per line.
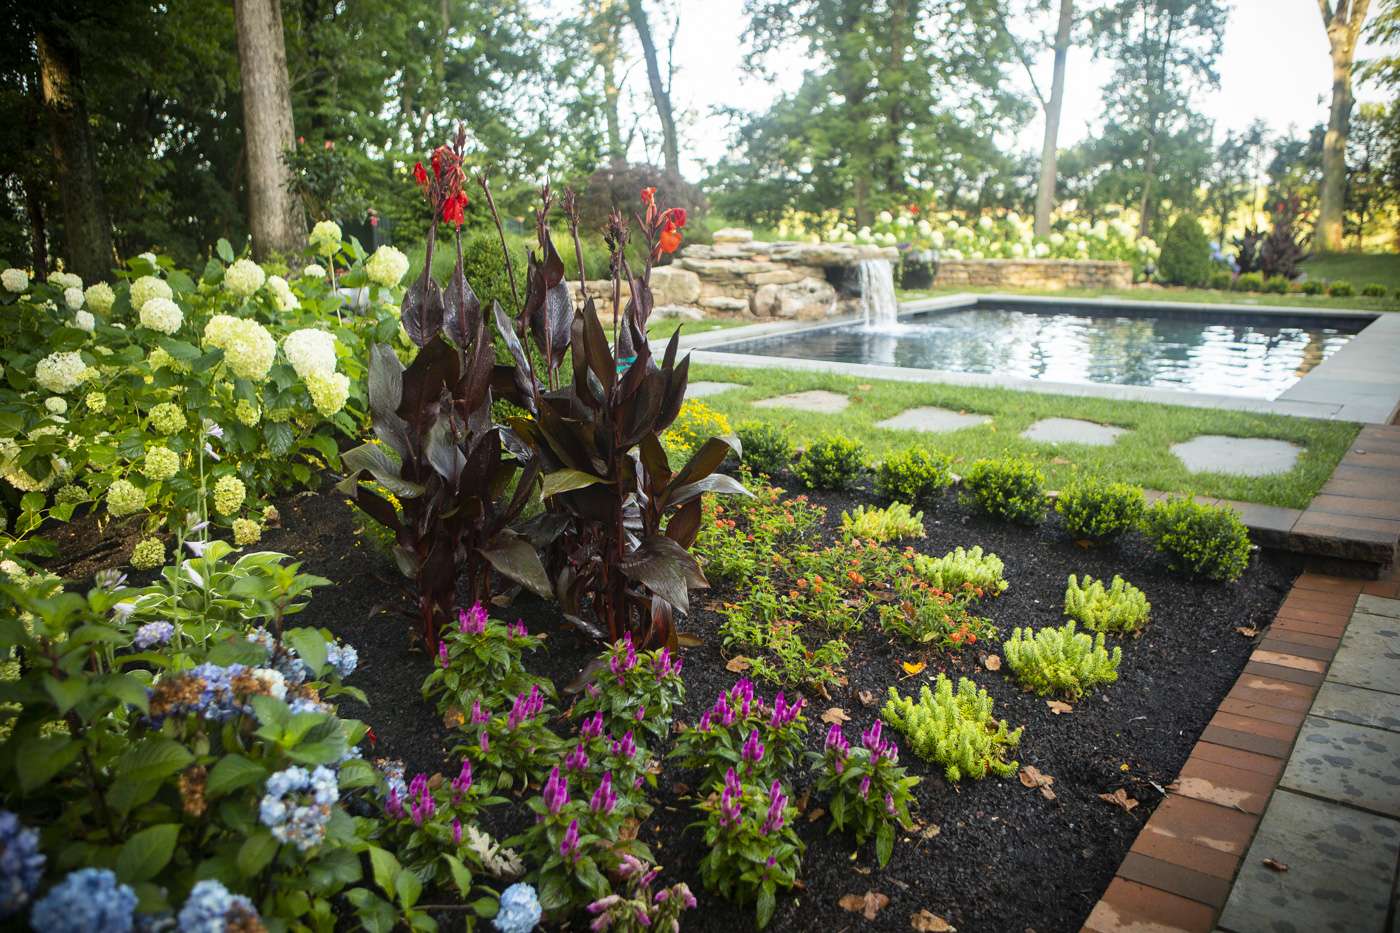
1033,273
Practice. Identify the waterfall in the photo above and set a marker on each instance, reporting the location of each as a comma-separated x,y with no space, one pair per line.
877,294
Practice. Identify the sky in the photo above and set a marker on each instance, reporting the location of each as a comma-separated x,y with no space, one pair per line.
1275,67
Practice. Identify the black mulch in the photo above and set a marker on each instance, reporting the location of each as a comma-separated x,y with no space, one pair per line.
1003,857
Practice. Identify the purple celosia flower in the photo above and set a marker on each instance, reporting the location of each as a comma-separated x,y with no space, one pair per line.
640,714
463,781
478,715
752,750
870,738
442,654
484,740
421,804
730,801
777,800
577,759
603,799
865,786
592,726
556,791
517,629
625,748
568,846
456,832
889,804
472,621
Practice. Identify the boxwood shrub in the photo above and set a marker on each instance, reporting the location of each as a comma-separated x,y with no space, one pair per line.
914,475
766,447
1012,489
1095,510
832,462
1199,540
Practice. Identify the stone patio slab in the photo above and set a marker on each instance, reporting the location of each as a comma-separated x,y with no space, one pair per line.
1378,606
1355,765
703,389
818,400
1237,456
932,420
1072,431
1369,655
1340,867
1358,705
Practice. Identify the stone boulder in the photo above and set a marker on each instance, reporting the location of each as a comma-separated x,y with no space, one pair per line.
672,285
807,299
830,254
732,235
679,312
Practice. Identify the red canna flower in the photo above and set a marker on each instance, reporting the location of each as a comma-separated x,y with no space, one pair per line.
420,174
454,208
678,216
670,240
648,196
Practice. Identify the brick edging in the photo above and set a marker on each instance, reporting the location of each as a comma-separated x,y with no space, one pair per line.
1179,871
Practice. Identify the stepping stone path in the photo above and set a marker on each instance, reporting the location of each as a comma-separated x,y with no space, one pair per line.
1072,431
704,389
1335,818
817,400
932,420
1237,456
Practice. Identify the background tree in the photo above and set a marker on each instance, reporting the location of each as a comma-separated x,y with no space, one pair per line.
1371,169
1164,52
660,86
1233,178
1343,24
1051,106
274,214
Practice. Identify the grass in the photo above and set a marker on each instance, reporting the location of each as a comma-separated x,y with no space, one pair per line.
1360,269
1140,456
1173,294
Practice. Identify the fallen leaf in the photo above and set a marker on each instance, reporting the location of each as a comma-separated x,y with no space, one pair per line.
926,922
1083,543
680,789
835,715
1032,777
1119,798
453,717
628,830
802,801
1059,706
1247,631
929,831
991,662
815,815
867,905
1275,864
737,664
914,668
866,698
860,869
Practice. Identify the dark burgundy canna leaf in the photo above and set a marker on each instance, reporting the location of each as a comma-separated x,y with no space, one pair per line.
514,557
665,568
525,374
442,450
422,310
462,310
373,504
684,524
385,380
559,321
721,483
708,458
595,347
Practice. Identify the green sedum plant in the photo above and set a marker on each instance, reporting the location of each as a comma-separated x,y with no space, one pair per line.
832,463
955,729
894,521
1199,540
1094,510
767,448
1012,490
1060,660
968,573
914,475
1121,607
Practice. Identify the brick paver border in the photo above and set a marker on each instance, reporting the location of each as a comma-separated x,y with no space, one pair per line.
1179,871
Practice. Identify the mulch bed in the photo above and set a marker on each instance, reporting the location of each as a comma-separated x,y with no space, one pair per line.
1004,857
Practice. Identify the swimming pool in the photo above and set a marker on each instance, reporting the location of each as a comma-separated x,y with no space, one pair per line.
1228,353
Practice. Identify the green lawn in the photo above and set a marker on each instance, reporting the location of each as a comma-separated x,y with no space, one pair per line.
1172,294
1360,269
1140,457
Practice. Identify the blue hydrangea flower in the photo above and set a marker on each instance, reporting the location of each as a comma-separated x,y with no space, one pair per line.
152,634
210,908
21,864
88,901
296,805
344,658
519,911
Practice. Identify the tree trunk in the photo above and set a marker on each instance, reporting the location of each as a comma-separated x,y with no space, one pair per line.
274,215
87,231
38,236
1149,174
1343,27
669,146
607,59
1049,149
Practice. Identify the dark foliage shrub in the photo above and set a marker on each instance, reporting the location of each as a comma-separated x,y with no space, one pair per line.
1095,510
1186,253
914,476
1283,250
1199,540
1373,290
1341,289
1011,489
832,463
1247,251
766,447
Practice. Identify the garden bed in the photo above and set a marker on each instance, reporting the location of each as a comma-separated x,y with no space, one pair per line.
1002,856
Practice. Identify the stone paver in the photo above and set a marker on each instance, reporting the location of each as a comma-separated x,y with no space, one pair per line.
1378,606
1369,655
932,420
703,389
1363,707
1072,431
817,400
1237,456
1351,764
1341,863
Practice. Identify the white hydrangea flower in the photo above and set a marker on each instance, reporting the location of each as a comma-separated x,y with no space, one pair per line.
1018,250
282,293
56,405
310,350
163,315
885,217
147,287
21,478
84,320
61,372
325,238
984,223
248,348
149,257
73,298
328,391
14,280
100,297
936,238
66,280
244,277
386,267
1041,251
314,271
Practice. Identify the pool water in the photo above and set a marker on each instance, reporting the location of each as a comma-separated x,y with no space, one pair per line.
1252,355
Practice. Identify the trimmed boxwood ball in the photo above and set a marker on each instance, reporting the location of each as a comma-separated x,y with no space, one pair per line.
1186,253
832,463
1250,282
1341,289
1094,510
1012,490
1312,287
766,447
914,475
1199,540
1373,290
